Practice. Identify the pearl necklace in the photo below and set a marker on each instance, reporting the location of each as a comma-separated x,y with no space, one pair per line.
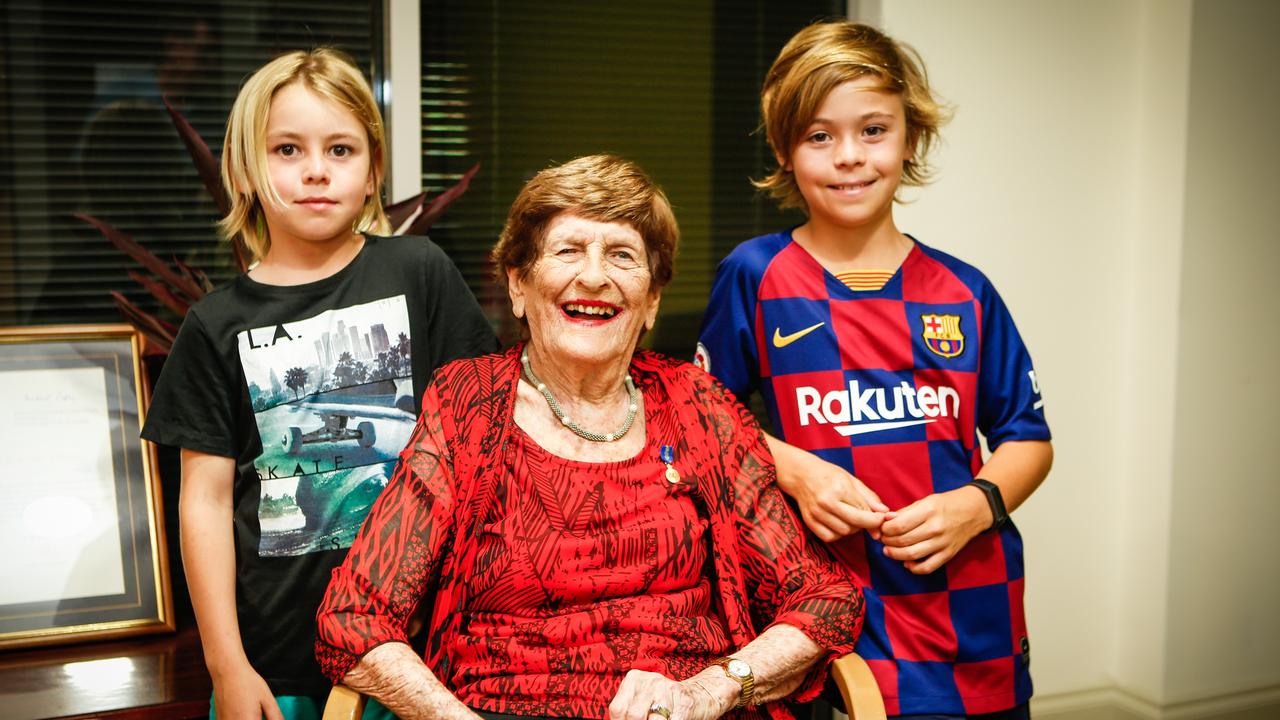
633,397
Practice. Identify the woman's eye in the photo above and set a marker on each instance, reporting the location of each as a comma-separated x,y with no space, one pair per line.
820,136
341,150
287,150
875,130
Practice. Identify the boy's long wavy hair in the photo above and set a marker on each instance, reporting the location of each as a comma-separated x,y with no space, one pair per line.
813,63
327,72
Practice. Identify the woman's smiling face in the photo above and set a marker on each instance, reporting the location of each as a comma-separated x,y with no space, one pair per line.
588,295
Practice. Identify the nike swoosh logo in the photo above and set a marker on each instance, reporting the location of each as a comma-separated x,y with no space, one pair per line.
849,430
781,341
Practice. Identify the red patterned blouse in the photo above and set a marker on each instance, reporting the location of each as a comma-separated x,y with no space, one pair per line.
591,568
549,578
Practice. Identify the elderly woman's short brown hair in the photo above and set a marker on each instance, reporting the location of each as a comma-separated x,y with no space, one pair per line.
605,188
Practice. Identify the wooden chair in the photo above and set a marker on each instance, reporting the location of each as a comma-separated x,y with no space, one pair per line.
851,673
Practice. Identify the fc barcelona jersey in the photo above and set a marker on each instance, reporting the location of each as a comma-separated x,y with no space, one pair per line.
894,385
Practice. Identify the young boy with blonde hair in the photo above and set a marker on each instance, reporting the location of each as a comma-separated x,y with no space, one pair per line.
292,389
880,359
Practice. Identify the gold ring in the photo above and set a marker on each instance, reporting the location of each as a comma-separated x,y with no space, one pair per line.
658,708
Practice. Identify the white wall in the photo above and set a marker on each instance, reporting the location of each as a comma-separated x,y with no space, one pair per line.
1223,630
1110,167
402,91
1147,299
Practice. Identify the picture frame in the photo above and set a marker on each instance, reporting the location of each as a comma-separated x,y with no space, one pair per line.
81,526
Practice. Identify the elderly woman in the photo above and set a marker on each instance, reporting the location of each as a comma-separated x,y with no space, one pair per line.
596,528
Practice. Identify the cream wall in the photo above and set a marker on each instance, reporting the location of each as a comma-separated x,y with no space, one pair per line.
1224,597
1109,167
401,92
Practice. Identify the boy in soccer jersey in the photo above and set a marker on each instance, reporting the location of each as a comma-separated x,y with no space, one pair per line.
880,360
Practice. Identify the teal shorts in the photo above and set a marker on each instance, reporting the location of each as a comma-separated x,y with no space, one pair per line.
311,707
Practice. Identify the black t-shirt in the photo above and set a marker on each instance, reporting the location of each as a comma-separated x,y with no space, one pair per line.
313,390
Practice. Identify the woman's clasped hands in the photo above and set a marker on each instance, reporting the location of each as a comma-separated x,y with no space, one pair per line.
657,697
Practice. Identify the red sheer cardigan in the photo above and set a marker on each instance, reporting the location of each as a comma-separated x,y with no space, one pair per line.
418,540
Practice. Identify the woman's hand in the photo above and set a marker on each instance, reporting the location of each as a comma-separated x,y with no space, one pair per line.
242,694
930,531
696,698
832,502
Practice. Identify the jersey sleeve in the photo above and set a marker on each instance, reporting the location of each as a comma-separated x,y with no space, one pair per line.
1010,406
192,406
727,342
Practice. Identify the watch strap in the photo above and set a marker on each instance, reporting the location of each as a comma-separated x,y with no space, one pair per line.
748,683
999,516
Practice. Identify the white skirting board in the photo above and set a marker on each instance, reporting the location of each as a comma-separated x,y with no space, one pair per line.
1116,704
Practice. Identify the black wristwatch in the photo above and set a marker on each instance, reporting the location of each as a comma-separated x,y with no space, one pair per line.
999,516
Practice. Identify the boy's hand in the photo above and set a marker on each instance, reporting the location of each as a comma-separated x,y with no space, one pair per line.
926,534
243,695
832,502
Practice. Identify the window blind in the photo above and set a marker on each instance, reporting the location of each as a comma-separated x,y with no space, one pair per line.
671,84
83,129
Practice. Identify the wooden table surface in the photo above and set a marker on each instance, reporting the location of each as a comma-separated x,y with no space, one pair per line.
146,678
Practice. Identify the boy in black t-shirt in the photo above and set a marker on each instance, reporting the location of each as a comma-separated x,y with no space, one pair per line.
292,390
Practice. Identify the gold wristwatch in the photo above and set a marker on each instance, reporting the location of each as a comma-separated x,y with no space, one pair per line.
739,670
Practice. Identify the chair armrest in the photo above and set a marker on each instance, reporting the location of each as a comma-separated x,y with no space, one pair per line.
858,688
343,704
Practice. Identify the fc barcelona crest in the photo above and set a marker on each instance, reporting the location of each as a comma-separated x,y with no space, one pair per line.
942,334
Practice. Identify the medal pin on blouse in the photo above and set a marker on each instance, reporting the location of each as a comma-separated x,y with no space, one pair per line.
668,456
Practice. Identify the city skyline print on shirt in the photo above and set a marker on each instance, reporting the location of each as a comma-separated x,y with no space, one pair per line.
333,399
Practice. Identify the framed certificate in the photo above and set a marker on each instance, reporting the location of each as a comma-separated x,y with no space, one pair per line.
82,540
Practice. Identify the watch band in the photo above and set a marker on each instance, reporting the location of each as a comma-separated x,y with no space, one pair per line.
740,671
999,516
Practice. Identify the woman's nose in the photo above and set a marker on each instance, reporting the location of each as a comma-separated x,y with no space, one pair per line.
593,274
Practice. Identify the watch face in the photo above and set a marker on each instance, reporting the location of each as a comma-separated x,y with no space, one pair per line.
738,668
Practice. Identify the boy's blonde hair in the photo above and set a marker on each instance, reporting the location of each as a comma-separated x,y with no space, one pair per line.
327,72
823,56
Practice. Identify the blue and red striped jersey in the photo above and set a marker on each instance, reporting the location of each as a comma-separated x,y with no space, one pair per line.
894,385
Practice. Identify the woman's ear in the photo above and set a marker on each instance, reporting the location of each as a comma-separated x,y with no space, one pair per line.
651,314
516,291
783,162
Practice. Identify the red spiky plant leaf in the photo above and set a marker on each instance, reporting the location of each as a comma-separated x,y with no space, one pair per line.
162,293
201,156
158,267
436,208
158,333
196,274
207,167
401,211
